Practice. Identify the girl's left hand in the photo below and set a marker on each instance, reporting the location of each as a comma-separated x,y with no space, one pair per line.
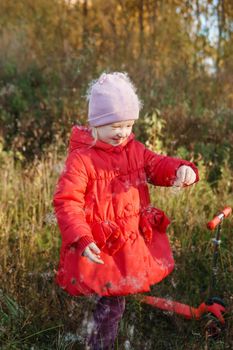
184,176
92,252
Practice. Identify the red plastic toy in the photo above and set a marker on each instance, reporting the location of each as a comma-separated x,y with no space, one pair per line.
214,306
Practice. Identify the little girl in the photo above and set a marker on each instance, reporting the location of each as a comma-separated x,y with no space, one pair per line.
113,241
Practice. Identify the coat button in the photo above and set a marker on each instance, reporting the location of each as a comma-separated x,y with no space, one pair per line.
129,207
133,236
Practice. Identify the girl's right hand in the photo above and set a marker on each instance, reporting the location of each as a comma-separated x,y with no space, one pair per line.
92,252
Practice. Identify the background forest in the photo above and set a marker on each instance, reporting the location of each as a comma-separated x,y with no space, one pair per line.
180,56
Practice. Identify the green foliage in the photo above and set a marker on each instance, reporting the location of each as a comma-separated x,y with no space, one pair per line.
11,316
54,112
150,129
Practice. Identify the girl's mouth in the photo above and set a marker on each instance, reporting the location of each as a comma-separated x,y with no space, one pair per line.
118,140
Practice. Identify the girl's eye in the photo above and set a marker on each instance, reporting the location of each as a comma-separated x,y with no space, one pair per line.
118,127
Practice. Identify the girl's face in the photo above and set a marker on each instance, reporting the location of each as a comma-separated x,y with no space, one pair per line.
115,133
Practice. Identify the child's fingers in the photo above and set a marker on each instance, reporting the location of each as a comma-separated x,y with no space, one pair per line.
184,176
177,183
95,258
94,247
180,176
190,176
92,256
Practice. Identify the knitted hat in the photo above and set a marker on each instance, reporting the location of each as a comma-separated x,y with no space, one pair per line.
112,98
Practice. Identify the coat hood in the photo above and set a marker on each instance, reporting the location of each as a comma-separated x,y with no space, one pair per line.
81,137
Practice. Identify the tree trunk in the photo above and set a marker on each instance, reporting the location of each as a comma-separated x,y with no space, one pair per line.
221,23
141,26
85,24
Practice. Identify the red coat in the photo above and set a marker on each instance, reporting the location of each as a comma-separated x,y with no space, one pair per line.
102,196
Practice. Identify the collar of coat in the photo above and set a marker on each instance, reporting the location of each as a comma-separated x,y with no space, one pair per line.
81,138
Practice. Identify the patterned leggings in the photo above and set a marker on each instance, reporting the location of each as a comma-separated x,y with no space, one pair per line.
107,315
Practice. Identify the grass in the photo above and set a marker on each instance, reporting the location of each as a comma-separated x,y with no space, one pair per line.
36,314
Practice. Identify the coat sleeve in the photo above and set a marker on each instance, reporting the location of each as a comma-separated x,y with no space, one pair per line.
161,170
69,202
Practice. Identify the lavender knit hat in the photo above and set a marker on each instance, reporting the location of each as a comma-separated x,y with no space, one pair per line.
112,98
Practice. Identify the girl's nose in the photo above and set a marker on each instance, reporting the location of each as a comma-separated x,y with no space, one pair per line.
121,133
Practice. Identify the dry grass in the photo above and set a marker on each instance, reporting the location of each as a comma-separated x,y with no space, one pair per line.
35,314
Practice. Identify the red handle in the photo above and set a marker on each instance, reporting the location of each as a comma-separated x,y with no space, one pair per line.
217,219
